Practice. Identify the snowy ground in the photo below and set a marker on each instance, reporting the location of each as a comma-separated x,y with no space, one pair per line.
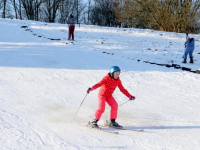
43,82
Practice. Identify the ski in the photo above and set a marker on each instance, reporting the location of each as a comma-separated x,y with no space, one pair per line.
100,129
137,130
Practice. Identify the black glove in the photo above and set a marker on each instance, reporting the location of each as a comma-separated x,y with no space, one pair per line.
132,97
89,90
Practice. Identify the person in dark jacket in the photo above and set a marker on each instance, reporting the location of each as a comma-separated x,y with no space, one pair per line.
190,45
71,23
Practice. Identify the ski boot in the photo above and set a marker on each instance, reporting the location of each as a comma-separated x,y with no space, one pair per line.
191,60
184,61
93,123
113,124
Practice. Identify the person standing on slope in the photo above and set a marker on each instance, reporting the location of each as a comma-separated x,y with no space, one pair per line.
108,85
71,23
189,50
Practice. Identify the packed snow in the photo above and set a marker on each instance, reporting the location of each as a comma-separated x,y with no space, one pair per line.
44,78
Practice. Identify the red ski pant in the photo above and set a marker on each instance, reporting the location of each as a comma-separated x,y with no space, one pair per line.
71,32
102,103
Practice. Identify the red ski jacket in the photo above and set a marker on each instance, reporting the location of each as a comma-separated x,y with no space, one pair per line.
108,86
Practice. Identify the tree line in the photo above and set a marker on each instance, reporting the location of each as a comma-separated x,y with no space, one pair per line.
41,10
165,15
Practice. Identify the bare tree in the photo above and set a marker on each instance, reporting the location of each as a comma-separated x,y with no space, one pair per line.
89,10
16,4
4,3
29,8
20,9
78,9
126,11
51,8
38,4
15,8
66,8
1,4
103,13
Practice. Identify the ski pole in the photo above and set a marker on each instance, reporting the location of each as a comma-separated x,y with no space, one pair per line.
80,106
124,103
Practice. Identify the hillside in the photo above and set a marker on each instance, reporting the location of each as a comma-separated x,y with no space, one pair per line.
44,79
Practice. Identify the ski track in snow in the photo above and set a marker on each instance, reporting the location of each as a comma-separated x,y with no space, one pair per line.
43,82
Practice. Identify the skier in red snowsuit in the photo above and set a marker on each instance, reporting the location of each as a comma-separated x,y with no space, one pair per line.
71,23
108,85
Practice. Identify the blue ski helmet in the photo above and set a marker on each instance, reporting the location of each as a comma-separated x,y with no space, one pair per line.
114,69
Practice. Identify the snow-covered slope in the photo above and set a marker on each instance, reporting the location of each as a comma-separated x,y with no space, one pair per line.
44,81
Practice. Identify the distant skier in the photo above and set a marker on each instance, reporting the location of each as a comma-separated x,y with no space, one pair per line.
190,44
108,84
71,23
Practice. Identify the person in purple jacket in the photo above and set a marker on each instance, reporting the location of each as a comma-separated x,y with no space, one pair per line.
189,50
71,23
